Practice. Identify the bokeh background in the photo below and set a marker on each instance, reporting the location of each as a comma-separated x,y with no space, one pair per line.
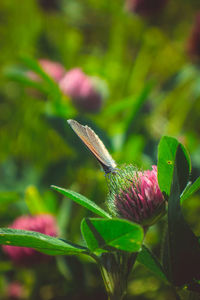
142,63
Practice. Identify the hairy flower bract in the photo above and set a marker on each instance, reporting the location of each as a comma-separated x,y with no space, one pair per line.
136,196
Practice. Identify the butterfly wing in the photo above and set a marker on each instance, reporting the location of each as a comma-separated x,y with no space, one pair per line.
94,144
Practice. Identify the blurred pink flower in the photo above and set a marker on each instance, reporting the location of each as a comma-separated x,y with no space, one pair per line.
15,291
136,196
193,44
145,7
45,224
82,90
54,69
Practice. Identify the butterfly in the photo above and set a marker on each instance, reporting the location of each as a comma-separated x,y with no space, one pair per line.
95,145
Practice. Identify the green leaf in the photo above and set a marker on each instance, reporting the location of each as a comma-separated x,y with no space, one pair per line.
182,250
82,200
53,89
21,77
166,160
33,65
190,190
166,156
183,167
150,261
106,234
41,242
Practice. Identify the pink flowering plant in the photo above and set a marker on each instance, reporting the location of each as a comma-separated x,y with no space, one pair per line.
82,90
65,91
138,197
115,239
43,223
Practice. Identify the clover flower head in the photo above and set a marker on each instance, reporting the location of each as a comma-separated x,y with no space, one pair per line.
15,291
136,196
54,69
82,90
45,224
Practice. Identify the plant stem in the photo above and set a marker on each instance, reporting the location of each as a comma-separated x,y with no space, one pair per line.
115,269
114,292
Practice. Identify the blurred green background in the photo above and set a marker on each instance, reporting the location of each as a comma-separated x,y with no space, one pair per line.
152,88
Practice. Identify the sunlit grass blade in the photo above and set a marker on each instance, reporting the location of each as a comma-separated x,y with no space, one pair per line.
17,75
35,66
34,201
136,107
52,87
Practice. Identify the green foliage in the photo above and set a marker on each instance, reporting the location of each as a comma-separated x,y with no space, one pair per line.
190,190
166,158
150,261
82,200
41,242
103,235
136,107
152,92
181,258
167,150
21,77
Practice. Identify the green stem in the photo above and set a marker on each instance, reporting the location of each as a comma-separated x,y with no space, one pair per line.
114,292
115,269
